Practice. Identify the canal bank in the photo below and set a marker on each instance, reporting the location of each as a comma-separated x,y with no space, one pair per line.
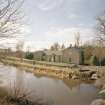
62,71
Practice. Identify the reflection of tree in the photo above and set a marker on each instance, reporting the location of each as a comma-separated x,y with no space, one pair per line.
3,91
20,79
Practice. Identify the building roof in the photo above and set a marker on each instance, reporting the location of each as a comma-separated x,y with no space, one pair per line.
55,52
49,52
73,49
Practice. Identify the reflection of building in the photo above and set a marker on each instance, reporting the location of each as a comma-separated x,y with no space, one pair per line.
73,83
76,83
68,55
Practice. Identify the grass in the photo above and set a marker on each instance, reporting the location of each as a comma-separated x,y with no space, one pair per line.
18,96
57,64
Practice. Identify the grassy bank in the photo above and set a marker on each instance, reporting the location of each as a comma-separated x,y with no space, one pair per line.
62,71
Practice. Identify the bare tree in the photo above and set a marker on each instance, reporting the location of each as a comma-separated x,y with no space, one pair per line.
99,53
77,39
100,29
10,18
63,47
55,46
19,49
52,48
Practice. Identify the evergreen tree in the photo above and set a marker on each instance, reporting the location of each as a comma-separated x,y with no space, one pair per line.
103,62
94,61
29,55
82,57
63,47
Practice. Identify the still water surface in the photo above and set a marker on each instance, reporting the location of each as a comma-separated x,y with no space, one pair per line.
47,89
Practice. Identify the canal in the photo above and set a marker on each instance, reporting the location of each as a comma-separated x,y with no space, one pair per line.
48,89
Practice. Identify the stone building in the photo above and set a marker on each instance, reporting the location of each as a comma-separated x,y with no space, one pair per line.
54,56
68,55
40,55
72,55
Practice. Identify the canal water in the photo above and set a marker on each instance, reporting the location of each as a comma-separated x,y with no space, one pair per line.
47,89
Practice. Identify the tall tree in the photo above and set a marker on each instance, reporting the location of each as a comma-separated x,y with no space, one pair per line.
55,46
19,49
10,20
63,47
94,61
10,17
100,29
99,52
77,39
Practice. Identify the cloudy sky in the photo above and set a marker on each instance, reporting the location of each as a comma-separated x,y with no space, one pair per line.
49,21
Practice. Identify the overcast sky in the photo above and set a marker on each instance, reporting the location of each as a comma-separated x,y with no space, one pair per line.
50,21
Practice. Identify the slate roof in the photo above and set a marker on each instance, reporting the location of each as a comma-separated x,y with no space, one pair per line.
59,52
49,52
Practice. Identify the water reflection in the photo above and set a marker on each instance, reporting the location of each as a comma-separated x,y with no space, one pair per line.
59,92
3,92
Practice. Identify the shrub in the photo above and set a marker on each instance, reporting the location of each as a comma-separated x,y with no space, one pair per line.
29,55
19,96
94,61
82,57
103,62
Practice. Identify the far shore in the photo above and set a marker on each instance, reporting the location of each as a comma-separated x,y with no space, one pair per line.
59,70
